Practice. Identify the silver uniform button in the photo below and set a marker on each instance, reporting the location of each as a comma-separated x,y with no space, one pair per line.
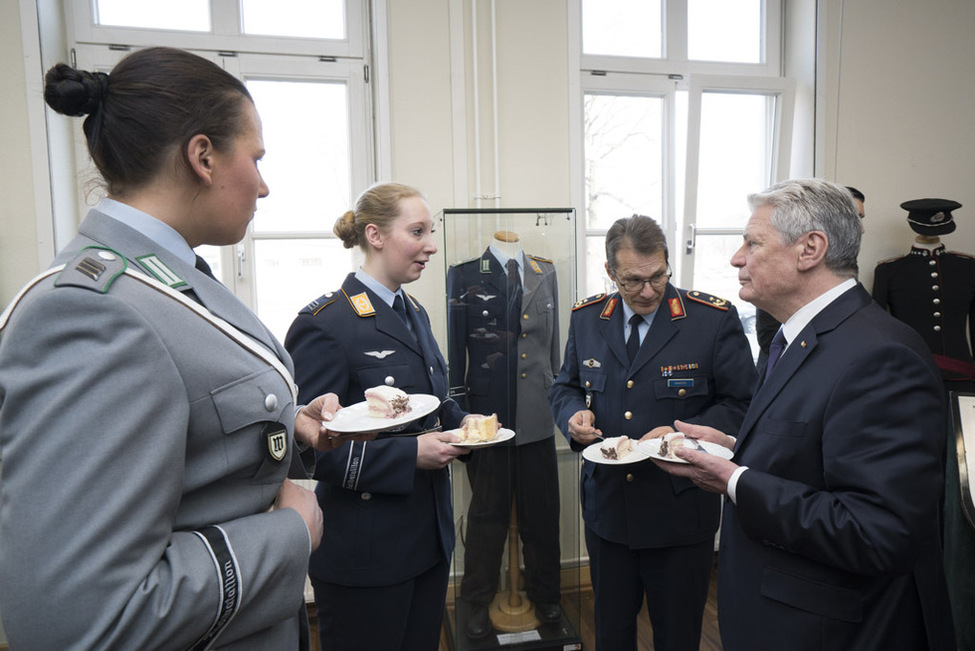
431,370
366,496
389,381
932,263
271,402
485,313
937,315
937,328
934,274
935,287
106,255
937,301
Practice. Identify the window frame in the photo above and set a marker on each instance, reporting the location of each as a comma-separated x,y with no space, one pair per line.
225,34
632,75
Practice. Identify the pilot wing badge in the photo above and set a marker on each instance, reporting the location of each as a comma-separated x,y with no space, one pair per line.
379,354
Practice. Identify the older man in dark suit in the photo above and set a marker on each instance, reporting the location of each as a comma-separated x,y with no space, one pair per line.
830,538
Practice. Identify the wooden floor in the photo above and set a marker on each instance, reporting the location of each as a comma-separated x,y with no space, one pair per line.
579,608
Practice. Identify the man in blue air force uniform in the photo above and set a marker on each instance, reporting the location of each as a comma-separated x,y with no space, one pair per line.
504,353
648,534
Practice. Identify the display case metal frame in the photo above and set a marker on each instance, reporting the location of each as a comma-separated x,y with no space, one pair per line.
548,237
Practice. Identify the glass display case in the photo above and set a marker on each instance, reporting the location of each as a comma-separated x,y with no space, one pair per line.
518,563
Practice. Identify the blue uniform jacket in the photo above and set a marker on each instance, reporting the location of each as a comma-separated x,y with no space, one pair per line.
694,365
385,520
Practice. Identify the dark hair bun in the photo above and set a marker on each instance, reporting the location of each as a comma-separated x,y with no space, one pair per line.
74,92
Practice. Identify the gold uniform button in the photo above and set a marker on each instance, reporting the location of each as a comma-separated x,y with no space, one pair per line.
525,317
366,496
629,384
524,335
682,392
628,415
588,384
524,355
629,477
524,375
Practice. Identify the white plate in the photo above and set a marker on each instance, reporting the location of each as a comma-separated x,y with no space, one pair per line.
593,454
356,418
502,435
651,448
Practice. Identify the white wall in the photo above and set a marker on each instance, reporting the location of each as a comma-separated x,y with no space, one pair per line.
896,98
19,259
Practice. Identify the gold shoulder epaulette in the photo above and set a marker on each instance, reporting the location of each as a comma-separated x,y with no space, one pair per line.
592,300
708,299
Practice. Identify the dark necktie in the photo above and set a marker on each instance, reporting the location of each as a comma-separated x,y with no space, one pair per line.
514,295
202,265
400,308
633,341
775,351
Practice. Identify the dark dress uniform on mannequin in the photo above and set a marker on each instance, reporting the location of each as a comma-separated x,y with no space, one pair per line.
933,290
504,353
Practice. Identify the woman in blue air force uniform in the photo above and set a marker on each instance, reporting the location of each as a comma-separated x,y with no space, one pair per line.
390,525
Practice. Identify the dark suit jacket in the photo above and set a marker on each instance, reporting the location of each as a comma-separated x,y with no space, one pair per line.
833,543
694,365
387,521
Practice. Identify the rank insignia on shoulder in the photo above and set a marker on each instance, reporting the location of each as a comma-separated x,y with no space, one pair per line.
609,309
485,266
93,268
708,299
540,259
320,303
361,304
592,300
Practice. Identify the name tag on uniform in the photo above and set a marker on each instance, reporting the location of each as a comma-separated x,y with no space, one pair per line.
681,383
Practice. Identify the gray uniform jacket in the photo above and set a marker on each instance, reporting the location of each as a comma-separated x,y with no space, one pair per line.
138,447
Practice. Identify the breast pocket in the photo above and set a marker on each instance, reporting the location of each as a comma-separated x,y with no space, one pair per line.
254,414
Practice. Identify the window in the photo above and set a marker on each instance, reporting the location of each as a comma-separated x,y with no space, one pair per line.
316,115
683,113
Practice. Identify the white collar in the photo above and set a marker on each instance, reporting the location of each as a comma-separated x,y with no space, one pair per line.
805,314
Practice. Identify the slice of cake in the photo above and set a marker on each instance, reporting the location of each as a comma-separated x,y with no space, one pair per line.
669,444
478,429
387,402
616,447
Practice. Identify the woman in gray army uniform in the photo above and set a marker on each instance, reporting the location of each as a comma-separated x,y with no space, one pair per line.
148,420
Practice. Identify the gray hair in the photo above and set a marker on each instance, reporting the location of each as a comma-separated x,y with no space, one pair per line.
804,205
640,233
